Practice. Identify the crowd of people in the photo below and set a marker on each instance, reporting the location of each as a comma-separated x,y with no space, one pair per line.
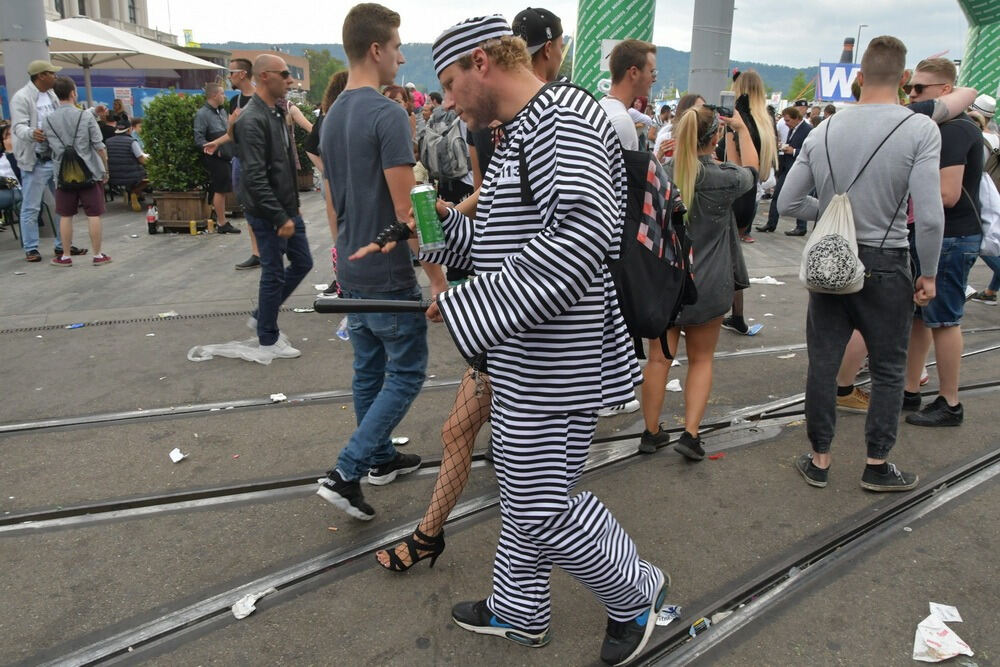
532,206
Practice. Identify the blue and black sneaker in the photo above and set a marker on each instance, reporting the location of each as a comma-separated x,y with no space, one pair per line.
625,640
477,617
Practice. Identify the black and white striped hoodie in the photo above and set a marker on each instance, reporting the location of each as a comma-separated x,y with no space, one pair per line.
543,303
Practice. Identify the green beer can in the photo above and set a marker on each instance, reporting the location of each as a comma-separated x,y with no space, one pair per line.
429,231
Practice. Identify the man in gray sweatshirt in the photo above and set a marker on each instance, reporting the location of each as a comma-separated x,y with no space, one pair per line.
878,179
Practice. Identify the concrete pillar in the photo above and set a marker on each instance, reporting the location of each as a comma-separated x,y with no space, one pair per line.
123,11
711,37
22,39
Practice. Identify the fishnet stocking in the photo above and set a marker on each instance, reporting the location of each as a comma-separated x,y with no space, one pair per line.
470,411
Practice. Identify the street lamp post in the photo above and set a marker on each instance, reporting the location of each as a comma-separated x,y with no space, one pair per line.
857,43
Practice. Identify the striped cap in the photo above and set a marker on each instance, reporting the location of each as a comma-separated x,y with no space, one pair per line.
462,38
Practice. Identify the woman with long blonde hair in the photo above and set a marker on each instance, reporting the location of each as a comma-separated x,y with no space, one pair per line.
708,189
751,104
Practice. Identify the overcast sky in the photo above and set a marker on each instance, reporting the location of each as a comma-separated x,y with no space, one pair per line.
797,34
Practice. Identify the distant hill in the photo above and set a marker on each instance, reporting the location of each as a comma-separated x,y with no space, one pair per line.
672,65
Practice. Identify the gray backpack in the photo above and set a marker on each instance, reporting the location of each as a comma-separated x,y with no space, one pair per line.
443,151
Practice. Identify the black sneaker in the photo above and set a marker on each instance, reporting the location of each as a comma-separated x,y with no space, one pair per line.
385,473
252,262
937,413
228,229
477,617
739,326
624,641
73,251
911,403
345,496
894,480
333,288
690,446
814,476
650,442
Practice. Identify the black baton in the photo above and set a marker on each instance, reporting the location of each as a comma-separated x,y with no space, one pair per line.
332,304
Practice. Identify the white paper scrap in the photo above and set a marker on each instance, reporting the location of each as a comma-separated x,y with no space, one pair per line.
945,612
278,398
321,287
674,385
768,314
934,641
245,606
176,456
169,313
766,280
674,363
786,356
303,310
150,335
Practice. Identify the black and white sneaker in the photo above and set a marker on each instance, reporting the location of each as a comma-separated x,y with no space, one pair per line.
623,409
345,496
387,472
893,479
476,617
624,641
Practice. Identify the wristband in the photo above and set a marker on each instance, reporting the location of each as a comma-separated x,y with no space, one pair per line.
397,231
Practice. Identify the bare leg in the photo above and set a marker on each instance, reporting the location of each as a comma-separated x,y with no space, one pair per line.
916,355
66,233
854,356
948,352
468,414
219,203
700,342
95,233
654,379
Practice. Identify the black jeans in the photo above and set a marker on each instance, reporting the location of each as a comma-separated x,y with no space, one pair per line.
883,312
772,215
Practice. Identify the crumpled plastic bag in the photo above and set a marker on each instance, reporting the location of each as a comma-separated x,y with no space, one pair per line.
934,641
248,350
246,604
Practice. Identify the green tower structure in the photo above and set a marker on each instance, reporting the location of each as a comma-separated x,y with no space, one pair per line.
600,24
981,64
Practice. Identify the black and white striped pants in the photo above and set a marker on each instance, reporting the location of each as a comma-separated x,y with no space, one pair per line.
539,459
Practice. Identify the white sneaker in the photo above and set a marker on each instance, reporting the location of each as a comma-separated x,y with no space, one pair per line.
623,409
252,326
280,350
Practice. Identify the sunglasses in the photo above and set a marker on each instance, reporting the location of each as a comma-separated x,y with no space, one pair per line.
918,88
284,73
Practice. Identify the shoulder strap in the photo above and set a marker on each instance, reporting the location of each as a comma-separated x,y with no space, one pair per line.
826,145
522,165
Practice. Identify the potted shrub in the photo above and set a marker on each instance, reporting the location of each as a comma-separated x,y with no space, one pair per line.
174,167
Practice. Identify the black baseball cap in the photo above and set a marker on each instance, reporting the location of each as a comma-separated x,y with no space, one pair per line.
536,26
801,103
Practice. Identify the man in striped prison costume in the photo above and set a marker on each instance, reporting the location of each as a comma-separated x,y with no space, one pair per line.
544,307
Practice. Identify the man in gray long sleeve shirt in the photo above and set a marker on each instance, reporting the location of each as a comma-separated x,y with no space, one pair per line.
883,310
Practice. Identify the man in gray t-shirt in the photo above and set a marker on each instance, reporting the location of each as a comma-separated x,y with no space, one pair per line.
367,152
906,163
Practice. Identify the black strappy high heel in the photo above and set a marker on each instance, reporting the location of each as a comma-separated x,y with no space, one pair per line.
420,546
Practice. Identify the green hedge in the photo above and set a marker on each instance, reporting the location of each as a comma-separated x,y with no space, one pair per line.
168,133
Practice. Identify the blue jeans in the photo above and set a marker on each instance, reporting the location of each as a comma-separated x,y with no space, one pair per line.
390,365
994,264
277,282
33,184
958,254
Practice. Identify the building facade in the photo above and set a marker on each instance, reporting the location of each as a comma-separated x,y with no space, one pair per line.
129,15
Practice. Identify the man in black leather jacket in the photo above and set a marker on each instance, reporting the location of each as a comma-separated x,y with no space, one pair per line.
269,197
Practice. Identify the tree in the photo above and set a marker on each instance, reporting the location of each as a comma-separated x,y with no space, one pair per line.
799,88
321,67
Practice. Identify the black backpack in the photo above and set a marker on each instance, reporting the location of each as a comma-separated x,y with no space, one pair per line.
74,174
652,274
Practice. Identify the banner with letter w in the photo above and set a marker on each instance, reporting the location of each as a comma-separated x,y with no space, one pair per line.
835,81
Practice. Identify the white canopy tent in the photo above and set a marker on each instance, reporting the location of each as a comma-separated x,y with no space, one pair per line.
87,44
